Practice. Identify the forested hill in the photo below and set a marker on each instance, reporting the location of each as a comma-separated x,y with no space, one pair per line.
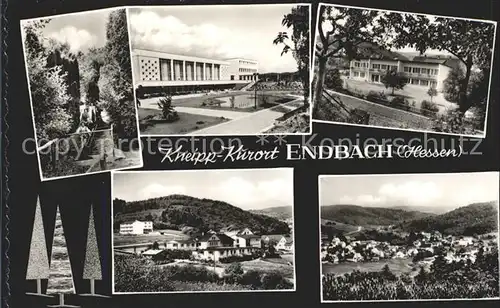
180,211
368,216
476,218
278,212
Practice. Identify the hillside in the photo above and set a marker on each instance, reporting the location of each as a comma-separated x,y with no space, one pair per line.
278,212
180,211
368,216
476,218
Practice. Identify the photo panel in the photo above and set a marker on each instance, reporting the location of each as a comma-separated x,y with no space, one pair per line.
174,232
222,69
410,237
79,74
402,70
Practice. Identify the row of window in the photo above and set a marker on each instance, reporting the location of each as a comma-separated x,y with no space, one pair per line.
406,69
384,67
421,82
359,74
247,70
420,70
247,63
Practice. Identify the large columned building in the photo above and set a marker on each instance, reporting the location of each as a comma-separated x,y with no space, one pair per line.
185,74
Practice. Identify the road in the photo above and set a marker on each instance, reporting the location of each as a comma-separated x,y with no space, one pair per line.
253,123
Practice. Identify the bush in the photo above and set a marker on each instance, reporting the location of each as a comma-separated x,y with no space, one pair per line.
429,109
400,102
232,259
273,281
252,278
168,112
376,96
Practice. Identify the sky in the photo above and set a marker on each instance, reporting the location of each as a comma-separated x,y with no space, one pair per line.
80,31
246,189
219,32
448,191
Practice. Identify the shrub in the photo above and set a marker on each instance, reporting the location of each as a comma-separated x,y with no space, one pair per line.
251,277
429,109
400,102
376,96
168,112
232,259
273,281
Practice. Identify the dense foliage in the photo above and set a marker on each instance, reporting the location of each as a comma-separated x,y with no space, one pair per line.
135,274
298,20
394,80
363,216
203,214
48,86
118,97
443,281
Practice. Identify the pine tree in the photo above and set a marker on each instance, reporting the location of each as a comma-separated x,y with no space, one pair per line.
38,262
61,276
92,268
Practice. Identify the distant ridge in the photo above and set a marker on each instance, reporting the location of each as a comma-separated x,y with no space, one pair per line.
180,211
278,212
368,216
476,218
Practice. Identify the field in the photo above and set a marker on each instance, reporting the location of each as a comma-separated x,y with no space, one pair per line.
397,266
119,240
187,122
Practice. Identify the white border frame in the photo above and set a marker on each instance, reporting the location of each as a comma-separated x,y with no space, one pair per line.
190,134
324,176
113,292
485,124
37,146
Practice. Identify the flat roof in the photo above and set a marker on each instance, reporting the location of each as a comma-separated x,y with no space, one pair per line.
164,55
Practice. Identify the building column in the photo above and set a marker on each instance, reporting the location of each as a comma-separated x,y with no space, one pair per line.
172,69
194,70
184,77
204,71
212,75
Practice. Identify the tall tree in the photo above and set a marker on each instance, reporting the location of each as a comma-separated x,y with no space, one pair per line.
92,268
471,42
394,80
298,20
48,87
120,102
341,32
38,262
61,275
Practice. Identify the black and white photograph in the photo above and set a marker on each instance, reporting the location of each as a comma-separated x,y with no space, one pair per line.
403,71
222,69
409,236
79,74
175,232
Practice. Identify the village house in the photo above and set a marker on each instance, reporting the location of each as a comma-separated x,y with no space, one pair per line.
216,240
183,244
136,227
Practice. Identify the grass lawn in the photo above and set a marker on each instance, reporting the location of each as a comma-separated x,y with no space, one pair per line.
187,123
386,116
397,266
268,266
411,93
119,240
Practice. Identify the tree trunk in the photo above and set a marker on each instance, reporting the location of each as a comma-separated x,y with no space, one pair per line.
463,103
318,87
